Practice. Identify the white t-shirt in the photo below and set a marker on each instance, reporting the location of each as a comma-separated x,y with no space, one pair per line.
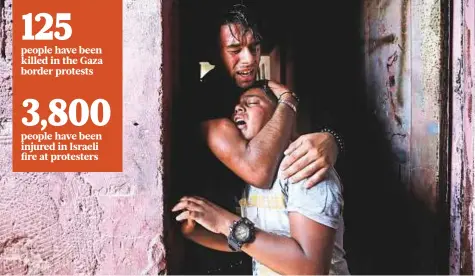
323,203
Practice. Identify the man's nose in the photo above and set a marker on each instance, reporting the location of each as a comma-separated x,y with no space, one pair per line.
246,56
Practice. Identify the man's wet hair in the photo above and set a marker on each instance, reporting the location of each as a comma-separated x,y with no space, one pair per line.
235,14
240,14
263,85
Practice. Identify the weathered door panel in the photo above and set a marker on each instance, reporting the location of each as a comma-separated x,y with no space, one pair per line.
405,65
462,163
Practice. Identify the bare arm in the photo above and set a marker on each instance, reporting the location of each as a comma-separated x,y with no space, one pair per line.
257,160
204,237
307,251
254,161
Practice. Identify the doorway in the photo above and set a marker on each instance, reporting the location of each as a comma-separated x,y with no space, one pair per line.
386,230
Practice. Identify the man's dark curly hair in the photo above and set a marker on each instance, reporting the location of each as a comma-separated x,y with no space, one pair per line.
240,14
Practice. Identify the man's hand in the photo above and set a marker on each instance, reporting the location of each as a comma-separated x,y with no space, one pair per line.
310,156
206,213
277,88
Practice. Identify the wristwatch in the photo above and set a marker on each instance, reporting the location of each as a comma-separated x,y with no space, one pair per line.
241,231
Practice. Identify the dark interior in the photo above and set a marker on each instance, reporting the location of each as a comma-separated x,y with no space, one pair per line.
386,231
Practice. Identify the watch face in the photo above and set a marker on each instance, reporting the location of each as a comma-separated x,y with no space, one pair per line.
242,232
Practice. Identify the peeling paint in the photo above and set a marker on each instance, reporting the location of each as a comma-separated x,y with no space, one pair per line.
380,42
463,140
391,87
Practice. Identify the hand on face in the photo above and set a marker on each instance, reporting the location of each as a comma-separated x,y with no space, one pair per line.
206,213
310,156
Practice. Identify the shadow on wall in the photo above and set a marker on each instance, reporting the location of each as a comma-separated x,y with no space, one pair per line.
387,230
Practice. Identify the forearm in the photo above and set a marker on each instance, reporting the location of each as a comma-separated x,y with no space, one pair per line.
307,251
208,239
265,149
282,254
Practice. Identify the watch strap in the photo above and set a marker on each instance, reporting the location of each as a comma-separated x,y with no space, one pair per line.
234,244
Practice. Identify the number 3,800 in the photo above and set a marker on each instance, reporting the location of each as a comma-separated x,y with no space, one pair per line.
60,113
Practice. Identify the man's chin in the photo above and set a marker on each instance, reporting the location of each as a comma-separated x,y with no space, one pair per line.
244,83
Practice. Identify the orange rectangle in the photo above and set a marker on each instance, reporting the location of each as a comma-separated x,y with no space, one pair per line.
67,86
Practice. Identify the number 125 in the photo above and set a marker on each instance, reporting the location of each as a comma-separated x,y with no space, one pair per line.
44,34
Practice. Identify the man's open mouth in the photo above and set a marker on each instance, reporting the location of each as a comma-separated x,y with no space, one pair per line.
245,73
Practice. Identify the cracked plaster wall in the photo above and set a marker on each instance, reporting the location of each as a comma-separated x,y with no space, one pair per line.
104,223
404,76
463,140
406,62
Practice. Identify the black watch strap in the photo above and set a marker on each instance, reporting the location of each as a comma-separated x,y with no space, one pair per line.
233,244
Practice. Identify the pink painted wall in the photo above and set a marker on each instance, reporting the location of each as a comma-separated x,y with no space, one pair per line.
103,223
462,175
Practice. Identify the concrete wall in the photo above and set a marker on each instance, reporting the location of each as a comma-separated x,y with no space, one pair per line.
406,68
463,140
104,223
403,66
